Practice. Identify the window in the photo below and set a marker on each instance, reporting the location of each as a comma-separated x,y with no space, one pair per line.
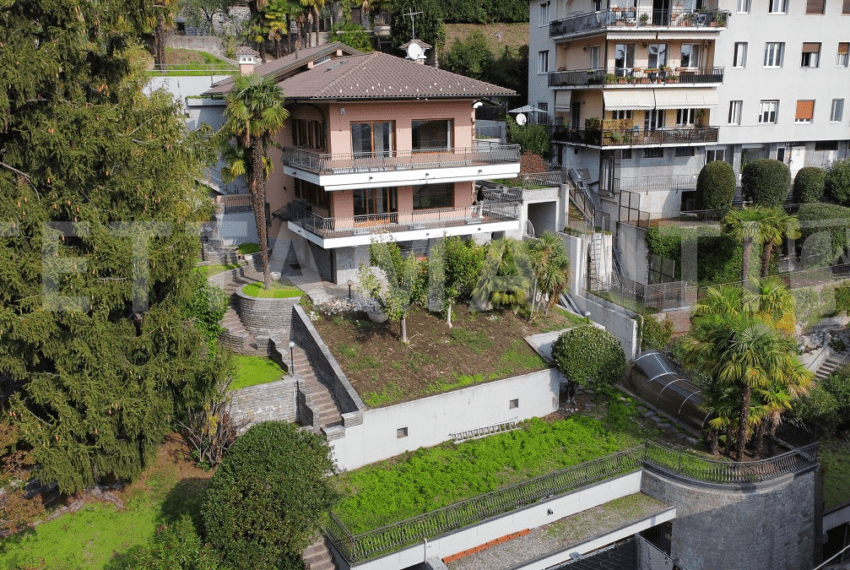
432,134
653,120
627,154
805,112
735,108
826,145
843,49
690,55
624,58
543,62
657,55
544,14
372,138
845,7
433,196
543,115
513,404
623,114
778,6
740,54
375,201
401,432
743,6
815,6
773,52
716,154
685,116
593,54
811,55
653,153
313,194
685,151
836,112
308,134
767,111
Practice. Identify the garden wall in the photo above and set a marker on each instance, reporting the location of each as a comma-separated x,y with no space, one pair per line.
262,316
618,321
430,421
634,255
272,401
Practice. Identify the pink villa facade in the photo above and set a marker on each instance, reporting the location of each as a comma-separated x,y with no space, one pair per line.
375,144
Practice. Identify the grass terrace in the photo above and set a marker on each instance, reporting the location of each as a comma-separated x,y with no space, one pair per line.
481,346
214,269
254,370
835,458
184,62
281,289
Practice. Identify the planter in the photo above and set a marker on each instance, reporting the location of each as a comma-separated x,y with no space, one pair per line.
377,316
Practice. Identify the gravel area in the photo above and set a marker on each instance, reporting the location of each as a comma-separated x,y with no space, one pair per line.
565,532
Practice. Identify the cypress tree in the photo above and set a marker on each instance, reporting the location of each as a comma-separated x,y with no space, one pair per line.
95,381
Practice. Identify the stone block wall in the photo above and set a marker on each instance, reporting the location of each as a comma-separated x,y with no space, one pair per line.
260,316
272,401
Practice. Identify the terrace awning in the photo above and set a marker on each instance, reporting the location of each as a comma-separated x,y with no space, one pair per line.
626,99
685,98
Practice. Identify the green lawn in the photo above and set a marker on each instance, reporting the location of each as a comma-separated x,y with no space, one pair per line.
180,61
247,248
835,458
253,370
209,270
279,290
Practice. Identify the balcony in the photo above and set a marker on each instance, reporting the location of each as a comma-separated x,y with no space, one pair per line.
348,231
644,19
635,137
624,77
400,168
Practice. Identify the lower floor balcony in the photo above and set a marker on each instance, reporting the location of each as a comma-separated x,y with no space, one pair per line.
635,136
348,231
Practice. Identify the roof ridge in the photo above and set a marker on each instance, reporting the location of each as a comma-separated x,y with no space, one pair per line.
346,72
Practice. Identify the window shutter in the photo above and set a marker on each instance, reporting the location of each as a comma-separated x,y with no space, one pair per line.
814,6
843,48
811,48
805,110
846,8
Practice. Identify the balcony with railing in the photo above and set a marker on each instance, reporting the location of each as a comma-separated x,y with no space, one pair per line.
637,77
639,18
634,136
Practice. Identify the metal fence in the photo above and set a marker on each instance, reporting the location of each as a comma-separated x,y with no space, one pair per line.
626,76
640,16
363,546
640,297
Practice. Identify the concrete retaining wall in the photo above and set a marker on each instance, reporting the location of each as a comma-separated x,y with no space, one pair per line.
618,321
634,255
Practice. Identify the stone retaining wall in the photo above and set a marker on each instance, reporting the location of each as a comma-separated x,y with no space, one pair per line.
272,401
261,316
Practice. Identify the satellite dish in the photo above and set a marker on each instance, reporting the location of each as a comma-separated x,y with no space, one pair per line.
414,51
477,104
521,119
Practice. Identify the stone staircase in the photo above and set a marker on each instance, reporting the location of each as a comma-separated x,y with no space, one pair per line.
237,337
326,406
317,556
833,363
213,249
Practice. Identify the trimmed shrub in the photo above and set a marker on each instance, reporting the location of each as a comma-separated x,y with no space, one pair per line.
589,357
825,240
718,255
837,182
809,185
716,186
268,496
766,182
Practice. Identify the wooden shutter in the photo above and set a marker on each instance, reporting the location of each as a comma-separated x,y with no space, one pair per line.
805,110
811,48
815,6
843,48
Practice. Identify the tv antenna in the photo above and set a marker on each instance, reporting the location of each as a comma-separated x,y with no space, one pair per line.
413,21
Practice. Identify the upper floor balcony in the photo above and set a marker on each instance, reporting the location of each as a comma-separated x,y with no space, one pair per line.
645,19
400,168
635,77
621,137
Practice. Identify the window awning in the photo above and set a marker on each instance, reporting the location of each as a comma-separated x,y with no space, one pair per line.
562,99
625,99
811,47
805,110
685,98
843,48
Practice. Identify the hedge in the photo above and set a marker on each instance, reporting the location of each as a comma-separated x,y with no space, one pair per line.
809,185
718,255
716,186
837,182
766,182
589,356
823,243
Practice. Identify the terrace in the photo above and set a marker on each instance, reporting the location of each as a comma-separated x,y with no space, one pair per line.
645,19
634,137
621,77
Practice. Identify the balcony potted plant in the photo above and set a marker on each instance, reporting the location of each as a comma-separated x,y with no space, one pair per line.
719,20
700,115
652,73
624,79
616,137
593,124
644,19
610,79
672,79
688,19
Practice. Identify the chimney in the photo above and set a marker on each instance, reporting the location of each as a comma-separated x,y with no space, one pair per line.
247,59
415,50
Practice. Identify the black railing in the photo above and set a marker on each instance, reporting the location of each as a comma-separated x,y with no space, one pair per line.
635,77
634,137
679,18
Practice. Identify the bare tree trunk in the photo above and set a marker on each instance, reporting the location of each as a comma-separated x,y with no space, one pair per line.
745,261
743,416
404,329
712,442
316,23
449,316
289,37
159,42
766,254
761,432
258,202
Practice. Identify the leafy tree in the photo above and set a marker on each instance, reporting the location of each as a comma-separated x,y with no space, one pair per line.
809,185
278,15
837,182
202,13
429,25
176,546
511,70
746,225
455,265
766,182
824,233
402,273
162,21
96,378
530,137
589,357
266,499
716,186
353,35
776,226
470,56
255,113
206,308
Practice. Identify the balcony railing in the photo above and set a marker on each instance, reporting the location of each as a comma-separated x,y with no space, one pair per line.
597,137
626,76
346,226
319,163
639,17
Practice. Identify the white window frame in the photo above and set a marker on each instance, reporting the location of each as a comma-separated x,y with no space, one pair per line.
805,121
696,54
836,111
774,54
715,155
543,62
660,54
685,117
735,112
593,57
621,114
768,111
841,59
544,14
810,58
743,6
777,7
740,55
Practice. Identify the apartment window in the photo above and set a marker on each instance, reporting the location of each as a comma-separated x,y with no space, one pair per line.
845,8
513,404
624,58
740,54
685,151
773,52
767,112
308,134
735,108
715,155
653,153
313,194
685,116
369,138
836,112
544,14
433,196
653,120
743,6
401,432
843,49
432,134
657,55
543,62
622,114
805,112
690,55
778,6
543,115
815,6
375,201
826,145
627,154
593,54
811,54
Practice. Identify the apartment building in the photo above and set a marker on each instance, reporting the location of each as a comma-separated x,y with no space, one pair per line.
377,144
642,93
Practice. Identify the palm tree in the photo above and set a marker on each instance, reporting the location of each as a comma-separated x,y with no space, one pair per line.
746,225
314,6
506,276
254,113
551,266
277,15
777,225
